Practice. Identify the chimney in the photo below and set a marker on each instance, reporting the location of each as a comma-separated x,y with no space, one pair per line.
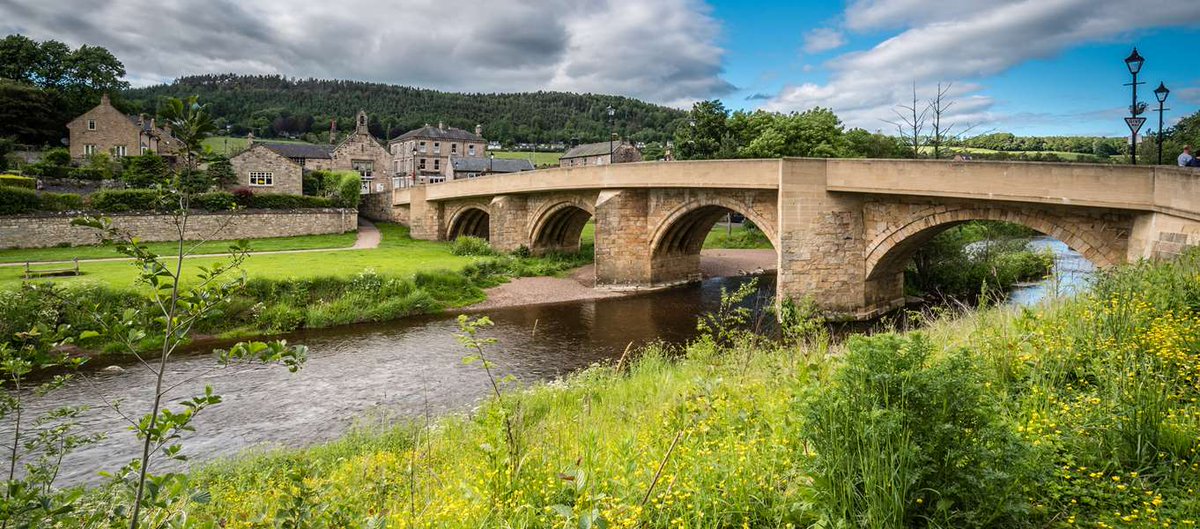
332,130
250,138
441,126
141,120
479,130
104,99
152,123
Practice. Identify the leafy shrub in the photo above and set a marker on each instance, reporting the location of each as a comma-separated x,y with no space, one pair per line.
145,170
87,173
215,201
12,180
48,171
59,156
345,188
102,164
60,202
17,200
195,181
468,245
278,201
906,440
117,201
313,182
243,195
220,171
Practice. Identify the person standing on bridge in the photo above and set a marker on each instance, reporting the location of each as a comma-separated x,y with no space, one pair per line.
1186,159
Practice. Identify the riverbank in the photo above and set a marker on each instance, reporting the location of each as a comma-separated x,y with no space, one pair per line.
1034,428
579,284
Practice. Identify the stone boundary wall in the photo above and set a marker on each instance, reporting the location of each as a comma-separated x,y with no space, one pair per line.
378,207
54,229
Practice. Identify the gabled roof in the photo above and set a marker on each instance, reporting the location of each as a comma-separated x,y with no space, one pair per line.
495,165
593,149
308,151
435,133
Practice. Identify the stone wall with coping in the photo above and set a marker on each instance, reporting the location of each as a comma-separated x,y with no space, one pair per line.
55,229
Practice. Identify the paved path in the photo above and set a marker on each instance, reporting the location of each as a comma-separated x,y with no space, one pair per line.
368,238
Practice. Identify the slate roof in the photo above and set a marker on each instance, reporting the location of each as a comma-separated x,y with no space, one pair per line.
431,132
498,165
592,149
308,151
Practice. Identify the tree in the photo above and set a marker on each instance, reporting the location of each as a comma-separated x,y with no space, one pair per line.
705,134
221,172
943,132
910,123
860,143
145,171
28,113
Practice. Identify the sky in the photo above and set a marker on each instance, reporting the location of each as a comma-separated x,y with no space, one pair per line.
1029,67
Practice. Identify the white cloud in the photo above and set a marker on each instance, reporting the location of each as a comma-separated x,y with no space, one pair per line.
823,39
1190,94
963,40
663,51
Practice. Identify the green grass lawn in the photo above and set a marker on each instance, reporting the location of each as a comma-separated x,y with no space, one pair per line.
303,242
538,158
235,144
398,254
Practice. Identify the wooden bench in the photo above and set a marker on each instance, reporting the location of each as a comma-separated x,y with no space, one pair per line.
30,272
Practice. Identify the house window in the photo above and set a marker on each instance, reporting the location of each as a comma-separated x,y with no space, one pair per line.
422,164
366,168
437,148
89,150
145,150
262,178
91,124
437,164
422,147
453,148
471,150
119,151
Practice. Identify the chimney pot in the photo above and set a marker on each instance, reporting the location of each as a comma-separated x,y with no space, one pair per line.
441,126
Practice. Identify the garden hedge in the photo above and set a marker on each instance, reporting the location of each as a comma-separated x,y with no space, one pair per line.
17,200
12,180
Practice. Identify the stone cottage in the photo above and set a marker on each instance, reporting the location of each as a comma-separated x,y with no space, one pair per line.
263,169
599,154
104,129
358,151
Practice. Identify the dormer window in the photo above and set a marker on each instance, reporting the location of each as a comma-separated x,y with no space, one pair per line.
91,124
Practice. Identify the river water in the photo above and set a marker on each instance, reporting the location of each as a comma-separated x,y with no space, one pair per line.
404,369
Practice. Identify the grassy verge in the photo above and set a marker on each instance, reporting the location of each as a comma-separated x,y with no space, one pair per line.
1081,414
718,238
403,277
98,251
539,159
398,255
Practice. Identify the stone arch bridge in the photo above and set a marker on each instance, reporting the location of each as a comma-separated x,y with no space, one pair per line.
843,230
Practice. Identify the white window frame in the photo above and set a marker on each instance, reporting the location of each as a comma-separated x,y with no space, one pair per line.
267,178
89,149
422,148
120,151
437,164
471,150
437,148
91,124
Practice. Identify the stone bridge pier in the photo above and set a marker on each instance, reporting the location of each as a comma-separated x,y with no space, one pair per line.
843,230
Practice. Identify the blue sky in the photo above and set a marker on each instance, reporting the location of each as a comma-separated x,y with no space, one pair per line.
1024,66
1070,86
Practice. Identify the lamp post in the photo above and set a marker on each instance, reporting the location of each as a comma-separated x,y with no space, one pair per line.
413,163
611,112
491,156
228,129
1160,94
1134,62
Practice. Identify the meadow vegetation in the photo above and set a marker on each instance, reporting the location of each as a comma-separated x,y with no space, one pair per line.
1079,413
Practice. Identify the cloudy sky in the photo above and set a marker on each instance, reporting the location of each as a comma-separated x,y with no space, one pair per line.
1027,66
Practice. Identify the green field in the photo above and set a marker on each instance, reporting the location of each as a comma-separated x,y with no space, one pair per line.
397,255
303,242
718,238
975,150
228,145
538,158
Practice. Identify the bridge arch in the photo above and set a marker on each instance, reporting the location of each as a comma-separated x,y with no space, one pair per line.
558,226
472,219
889,252
676,241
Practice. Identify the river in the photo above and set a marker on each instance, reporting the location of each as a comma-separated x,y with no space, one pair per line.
402,370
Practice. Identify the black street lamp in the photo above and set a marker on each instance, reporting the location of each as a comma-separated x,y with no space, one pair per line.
1160,94
1134,62
611,112
413,163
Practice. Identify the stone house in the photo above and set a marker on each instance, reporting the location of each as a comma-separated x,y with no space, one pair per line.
264,169
425,155
599,154
104,129
475,167
359,152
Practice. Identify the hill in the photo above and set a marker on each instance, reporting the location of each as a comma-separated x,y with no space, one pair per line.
277,106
